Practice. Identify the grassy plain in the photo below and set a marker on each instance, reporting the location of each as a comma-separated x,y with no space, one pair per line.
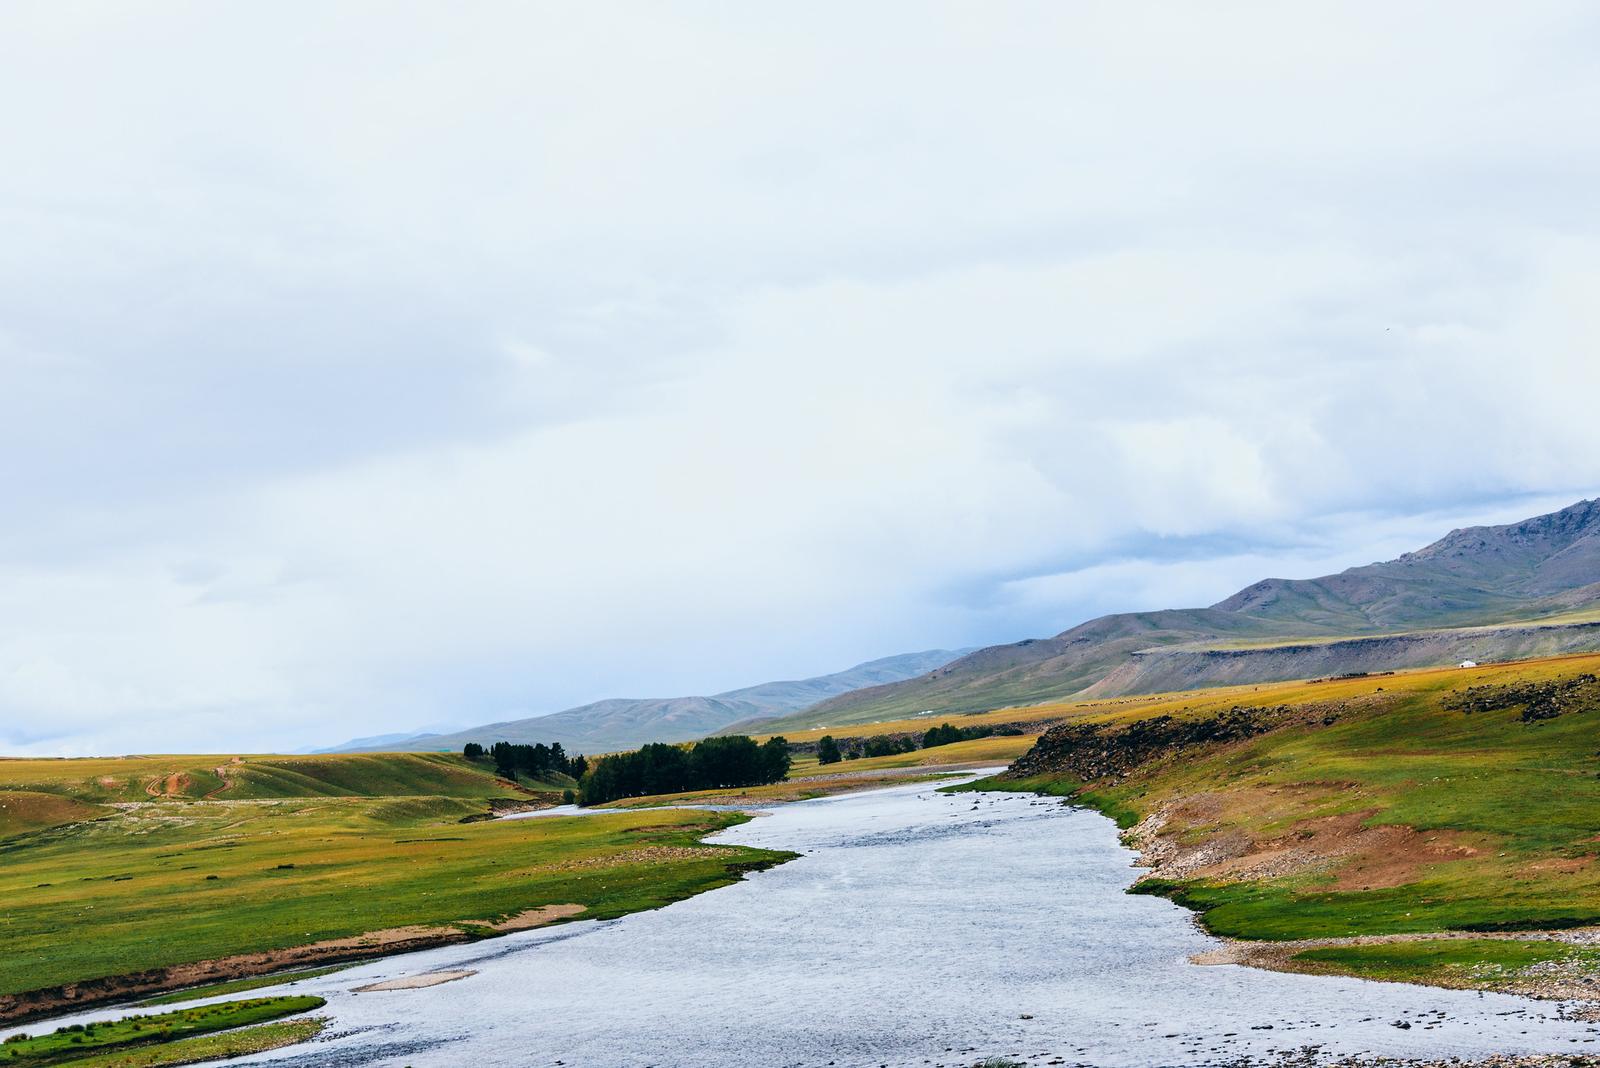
73,1045
1377,809
240,1043
190,859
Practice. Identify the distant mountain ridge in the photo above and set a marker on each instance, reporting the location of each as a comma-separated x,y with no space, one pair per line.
626,723
1464,576
1487,592
1471,578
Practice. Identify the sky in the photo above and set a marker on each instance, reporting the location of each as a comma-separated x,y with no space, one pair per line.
370,366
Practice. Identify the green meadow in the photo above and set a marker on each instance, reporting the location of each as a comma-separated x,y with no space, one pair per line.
144,1039
238,1043
159,862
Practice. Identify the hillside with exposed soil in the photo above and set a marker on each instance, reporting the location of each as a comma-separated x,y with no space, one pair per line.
1407,825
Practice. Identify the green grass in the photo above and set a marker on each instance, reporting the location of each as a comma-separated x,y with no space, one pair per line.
238,1043
239,986
1517,804
70,1044
1467,962
1281,911
171,882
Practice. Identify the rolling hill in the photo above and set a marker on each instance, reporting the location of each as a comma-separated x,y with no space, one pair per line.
1475,575
626,723
1488,593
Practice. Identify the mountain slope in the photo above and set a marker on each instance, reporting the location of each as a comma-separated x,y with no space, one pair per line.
1162,670
1479,574
626,723
1473,577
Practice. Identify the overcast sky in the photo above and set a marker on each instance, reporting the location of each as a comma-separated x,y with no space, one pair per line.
369,366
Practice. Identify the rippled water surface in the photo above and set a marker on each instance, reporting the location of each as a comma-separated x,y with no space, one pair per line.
917,929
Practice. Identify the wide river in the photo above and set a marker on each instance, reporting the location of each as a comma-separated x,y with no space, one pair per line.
917,929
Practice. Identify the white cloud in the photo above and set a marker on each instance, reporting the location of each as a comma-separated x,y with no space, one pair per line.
363,367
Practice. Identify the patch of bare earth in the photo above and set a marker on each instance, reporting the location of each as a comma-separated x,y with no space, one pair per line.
175,785
416,982
538,917
1360,856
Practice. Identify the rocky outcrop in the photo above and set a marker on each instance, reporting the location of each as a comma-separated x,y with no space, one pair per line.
1091,751
1538,700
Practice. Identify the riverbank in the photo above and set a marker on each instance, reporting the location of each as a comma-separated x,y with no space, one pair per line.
913,926
181,1036
186,887
1432,826
190,887
42,1002
1549,965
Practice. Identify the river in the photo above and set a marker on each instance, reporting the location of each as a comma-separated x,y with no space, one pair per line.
918,928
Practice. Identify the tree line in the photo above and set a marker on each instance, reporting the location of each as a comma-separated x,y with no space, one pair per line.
538,761
709,764
830,751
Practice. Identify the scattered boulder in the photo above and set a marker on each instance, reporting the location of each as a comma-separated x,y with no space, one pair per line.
1538,700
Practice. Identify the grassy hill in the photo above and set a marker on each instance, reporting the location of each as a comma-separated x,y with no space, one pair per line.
1038,669
1403,826
27,810
142,778
1478,574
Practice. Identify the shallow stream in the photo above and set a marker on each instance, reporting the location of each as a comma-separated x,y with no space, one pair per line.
918,929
